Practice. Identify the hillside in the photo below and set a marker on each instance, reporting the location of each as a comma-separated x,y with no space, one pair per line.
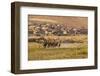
70,21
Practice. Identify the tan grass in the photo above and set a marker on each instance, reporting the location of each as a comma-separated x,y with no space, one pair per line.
73,51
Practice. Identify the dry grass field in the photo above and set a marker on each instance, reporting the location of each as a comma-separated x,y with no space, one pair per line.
75,47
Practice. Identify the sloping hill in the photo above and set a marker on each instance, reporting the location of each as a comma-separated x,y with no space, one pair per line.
70,21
